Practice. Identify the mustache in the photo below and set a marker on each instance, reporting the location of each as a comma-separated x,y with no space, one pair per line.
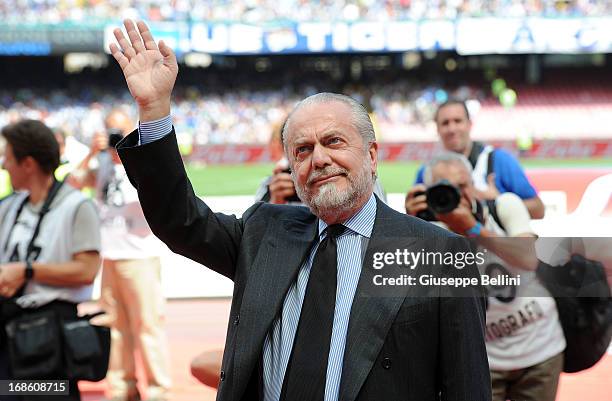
329,171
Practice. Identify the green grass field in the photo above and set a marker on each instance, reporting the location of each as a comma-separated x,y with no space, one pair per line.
396,177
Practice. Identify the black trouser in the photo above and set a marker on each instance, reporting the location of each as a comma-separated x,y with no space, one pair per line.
9,310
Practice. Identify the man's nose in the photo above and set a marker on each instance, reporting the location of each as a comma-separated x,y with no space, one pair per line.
453,126
320,157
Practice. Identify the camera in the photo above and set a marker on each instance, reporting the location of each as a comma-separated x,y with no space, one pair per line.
442,197
294,198
114,137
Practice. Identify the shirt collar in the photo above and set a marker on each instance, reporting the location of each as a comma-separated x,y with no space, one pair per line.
361,222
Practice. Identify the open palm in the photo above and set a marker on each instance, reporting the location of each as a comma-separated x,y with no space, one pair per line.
150,72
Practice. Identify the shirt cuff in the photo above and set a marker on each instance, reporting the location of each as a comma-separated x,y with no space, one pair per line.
151,131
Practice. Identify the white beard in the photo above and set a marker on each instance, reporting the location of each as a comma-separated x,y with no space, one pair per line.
328,201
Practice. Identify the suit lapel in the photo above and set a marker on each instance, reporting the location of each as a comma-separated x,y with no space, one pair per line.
276,266
371,316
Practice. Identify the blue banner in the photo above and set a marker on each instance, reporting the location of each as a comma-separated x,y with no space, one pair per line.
466,35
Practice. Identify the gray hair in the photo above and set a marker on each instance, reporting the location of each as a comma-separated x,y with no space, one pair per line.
361,118
444,158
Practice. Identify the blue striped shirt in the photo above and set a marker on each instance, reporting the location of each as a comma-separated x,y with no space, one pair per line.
279,340
153,130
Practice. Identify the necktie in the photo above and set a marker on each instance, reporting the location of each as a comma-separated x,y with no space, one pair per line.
307,368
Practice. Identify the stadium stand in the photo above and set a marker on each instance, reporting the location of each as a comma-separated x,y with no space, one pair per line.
255,11
403,110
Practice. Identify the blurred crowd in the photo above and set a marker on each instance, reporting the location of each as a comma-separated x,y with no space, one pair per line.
257,11
242,115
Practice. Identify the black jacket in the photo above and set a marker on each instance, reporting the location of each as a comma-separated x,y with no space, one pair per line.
398,348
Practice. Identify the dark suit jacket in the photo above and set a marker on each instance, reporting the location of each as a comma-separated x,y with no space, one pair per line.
398,348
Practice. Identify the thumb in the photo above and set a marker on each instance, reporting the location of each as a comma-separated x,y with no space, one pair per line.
169,56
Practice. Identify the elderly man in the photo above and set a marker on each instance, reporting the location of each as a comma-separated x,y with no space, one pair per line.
300,327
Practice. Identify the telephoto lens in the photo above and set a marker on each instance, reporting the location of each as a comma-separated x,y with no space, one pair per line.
114,137
443,197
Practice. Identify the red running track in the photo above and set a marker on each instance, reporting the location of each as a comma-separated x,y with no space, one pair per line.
194,326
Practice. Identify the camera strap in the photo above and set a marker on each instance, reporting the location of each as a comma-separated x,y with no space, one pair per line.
490,161
43,211
477,148
492,206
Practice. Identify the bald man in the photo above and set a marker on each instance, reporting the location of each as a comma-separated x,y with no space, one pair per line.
131,285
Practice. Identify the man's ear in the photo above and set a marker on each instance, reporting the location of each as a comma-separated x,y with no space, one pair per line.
28,164
373,154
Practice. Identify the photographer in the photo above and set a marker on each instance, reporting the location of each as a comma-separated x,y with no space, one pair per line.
494,170
524,338
449,196
131,275
49,258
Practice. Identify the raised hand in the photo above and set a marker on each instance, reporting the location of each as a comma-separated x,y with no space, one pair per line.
150,71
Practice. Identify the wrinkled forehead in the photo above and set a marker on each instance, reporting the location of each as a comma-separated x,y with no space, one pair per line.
318,119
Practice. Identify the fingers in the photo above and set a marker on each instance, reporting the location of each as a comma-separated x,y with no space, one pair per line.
280,197
282,186
169,57
147,37
282,177
416,200
126,47
421,199
415,189
100,142
283,193
134,36
414,208
118,55
133,46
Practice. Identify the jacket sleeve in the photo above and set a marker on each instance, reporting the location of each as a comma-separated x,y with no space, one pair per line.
175,214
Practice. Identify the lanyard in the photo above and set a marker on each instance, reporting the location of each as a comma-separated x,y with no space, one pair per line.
477,148
43,211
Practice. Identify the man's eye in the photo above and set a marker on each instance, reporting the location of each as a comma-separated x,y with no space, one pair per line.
334,140
301,149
